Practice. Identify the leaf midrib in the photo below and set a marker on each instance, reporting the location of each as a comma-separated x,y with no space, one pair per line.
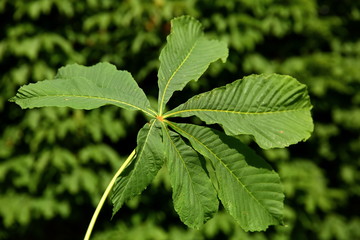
219,159
172,76
231,111
187,169
148,111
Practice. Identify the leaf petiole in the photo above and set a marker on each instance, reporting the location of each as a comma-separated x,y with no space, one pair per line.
106,193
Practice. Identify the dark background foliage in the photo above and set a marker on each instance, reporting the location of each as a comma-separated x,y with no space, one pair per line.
56,162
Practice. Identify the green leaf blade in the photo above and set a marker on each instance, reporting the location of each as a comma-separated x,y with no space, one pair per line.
83,87
185,57
142,170
248,188
194,196
273,108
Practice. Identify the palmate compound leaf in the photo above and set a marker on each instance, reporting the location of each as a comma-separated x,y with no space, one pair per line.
142,170
247,186
274,108
195,198
185,57
83,87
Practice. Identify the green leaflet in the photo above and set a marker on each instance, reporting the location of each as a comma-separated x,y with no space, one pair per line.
274,108
140,173
194,196
85,88
248,188
185,57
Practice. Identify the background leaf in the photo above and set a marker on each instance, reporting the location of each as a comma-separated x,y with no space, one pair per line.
194,196
85,88
185,57
314,41
274,108
142,170
248,188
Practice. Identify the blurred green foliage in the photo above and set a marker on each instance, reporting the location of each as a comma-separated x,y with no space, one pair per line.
56,162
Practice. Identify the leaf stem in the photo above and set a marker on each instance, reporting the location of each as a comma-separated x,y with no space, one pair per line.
106,193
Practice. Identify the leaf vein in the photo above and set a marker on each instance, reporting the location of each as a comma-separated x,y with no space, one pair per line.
148,111
231,111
